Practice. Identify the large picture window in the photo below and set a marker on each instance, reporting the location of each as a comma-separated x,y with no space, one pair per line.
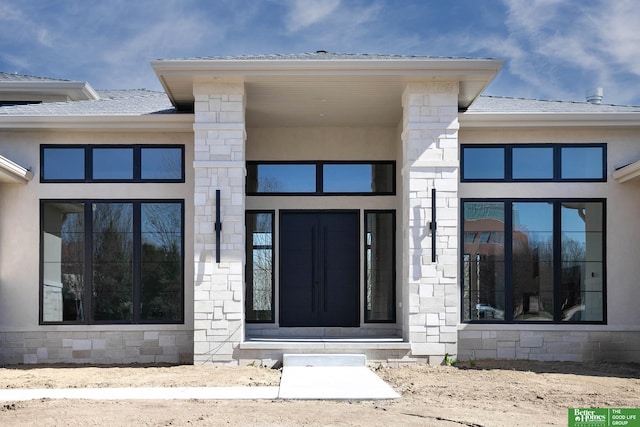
533,162
321,178
259,273
533,260
112,163
112,261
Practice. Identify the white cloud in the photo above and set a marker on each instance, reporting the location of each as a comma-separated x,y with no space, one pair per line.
304,13
596,41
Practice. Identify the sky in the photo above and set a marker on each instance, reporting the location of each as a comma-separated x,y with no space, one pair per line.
553,49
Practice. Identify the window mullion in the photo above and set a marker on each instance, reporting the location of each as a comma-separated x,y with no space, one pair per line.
557,260
88,263
137,261
137,163
508,261
319,177
88,164
508,163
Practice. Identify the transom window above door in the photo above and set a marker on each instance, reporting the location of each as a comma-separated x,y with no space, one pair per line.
321,178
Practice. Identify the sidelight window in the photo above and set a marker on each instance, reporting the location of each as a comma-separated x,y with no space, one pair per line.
380,266
259,272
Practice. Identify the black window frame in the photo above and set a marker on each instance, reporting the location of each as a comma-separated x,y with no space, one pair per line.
88,163
557,162
319,176
249,245
136,262
366,247
557,259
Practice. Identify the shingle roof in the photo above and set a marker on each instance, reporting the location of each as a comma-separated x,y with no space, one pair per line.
111,102
15,77
497,104
323,55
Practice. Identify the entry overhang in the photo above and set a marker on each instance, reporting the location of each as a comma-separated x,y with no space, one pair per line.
324,89
11,172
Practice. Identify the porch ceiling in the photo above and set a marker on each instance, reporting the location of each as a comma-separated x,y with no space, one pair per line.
324,93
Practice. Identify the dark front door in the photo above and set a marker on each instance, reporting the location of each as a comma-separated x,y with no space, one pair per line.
319,259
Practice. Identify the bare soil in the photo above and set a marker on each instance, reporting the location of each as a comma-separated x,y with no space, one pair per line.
490,393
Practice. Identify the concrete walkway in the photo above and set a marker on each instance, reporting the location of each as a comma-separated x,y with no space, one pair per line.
323,377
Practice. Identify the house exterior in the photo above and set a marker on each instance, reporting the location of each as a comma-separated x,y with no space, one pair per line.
315,203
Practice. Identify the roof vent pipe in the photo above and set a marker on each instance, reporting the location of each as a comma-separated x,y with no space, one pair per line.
595,95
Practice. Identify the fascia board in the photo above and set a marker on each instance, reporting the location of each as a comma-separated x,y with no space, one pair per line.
400,67
103,123
547,119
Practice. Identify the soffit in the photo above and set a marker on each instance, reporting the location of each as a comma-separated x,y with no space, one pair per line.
324,93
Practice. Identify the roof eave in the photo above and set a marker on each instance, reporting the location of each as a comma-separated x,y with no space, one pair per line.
75,91
627,173
103,123
480,72
11,172
548,119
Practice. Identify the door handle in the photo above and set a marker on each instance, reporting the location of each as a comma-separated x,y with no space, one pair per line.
324,267
314,269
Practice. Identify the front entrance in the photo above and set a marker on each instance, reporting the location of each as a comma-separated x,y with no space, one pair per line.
319,268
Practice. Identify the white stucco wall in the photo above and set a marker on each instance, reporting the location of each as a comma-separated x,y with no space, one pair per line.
20,258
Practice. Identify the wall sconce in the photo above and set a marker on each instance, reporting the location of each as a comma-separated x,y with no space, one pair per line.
433,225
218,226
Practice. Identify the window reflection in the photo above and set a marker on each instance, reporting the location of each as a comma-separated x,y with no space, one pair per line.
63,163
161,262
281,178
357,178
380,261
112,261
582,285
582,162
63,241
532,261
259,246
483,162
161,163
556,261
112,163
532,162
483,261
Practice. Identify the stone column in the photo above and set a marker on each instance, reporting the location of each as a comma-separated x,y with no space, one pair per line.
219,162
430,160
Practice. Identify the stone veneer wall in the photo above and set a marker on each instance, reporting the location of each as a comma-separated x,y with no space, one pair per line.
96,347
430,160
219,162
545,345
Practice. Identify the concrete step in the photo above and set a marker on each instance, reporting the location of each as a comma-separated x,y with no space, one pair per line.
324,360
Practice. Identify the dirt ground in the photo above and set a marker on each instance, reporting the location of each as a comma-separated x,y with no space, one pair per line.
490,393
